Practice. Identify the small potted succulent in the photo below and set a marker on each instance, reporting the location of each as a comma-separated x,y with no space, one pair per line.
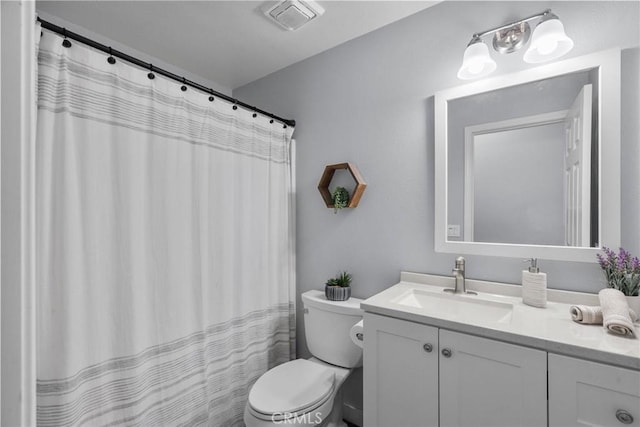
338,288
340,198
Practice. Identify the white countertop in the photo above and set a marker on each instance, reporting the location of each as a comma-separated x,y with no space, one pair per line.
550,329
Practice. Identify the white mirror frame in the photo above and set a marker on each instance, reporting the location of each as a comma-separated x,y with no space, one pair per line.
608,65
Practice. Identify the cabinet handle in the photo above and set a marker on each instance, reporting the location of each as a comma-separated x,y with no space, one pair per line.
427,347
624,416
446,352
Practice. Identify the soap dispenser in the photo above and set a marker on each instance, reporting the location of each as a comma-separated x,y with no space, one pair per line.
534,285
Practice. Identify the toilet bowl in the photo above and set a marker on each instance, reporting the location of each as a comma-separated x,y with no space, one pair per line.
297,393
306,392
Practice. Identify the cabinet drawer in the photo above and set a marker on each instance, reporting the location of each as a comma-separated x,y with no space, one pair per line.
593,394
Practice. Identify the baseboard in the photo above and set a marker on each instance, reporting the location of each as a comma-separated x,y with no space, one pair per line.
352,414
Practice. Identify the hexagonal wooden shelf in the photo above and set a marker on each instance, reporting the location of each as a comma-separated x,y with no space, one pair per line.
327,176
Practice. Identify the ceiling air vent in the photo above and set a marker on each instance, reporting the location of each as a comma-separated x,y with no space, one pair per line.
292,14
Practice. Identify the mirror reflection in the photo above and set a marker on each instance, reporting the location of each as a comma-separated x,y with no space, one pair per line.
523,163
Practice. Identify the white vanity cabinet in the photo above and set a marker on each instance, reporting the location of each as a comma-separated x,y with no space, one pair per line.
484,382
400,373
419,375
592,394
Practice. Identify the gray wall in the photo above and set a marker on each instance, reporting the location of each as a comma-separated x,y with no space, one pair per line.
370,101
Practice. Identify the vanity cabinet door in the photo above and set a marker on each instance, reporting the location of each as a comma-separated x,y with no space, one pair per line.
592,394
400,373
490,383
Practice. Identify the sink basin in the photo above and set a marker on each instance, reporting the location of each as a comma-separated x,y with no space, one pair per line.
456,306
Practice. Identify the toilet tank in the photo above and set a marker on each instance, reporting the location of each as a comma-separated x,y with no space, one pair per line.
326,326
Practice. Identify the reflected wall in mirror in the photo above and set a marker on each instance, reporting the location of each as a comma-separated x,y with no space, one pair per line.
520,163
528,164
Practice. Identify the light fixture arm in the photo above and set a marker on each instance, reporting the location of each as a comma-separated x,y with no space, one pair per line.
504,27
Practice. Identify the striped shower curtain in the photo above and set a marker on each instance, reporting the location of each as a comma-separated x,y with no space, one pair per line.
165,276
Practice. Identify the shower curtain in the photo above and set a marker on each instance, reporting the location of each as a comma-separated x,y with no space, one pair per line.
165,271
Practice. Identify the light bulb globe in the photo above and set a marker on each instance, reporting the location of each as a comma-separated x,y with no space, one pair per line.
548,42
476,62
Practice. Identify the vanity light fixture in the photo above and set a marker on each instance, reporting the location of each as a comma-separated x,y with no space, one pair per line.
548,42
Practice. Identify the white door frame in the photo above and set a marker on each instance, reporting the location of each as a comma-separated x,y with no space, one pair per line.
17,225
578,178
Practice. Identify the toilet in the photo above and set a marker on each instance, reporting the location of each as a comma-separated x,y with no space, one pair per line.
306,392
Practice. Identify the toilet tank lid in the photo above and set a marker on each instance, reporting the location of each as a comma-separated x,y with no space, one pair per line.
318,300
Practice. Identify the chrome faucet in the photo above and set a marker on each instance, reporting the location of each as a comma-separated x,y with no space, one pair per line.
459,275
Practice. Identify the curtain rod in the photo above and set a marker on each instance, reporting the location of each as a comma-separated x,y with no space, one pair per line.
106,49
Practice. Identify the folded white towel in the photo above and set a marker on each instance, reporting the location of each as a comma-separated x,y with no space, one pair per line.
586,314
615,312
592,314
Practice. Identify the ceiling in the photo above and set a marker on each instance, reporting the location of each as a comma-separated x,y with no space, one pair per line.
230,43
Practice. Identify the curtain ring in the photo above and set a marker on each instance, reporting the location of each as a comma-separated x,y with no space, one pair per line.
235,101
151,75
66,43
183,87
111,60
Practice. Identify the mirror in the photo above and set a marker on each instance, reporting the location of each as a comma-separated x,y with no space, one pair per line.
527,165
519,146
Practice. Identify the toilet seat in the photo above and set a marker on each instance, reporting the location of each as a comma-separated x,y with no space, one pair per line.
296,387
